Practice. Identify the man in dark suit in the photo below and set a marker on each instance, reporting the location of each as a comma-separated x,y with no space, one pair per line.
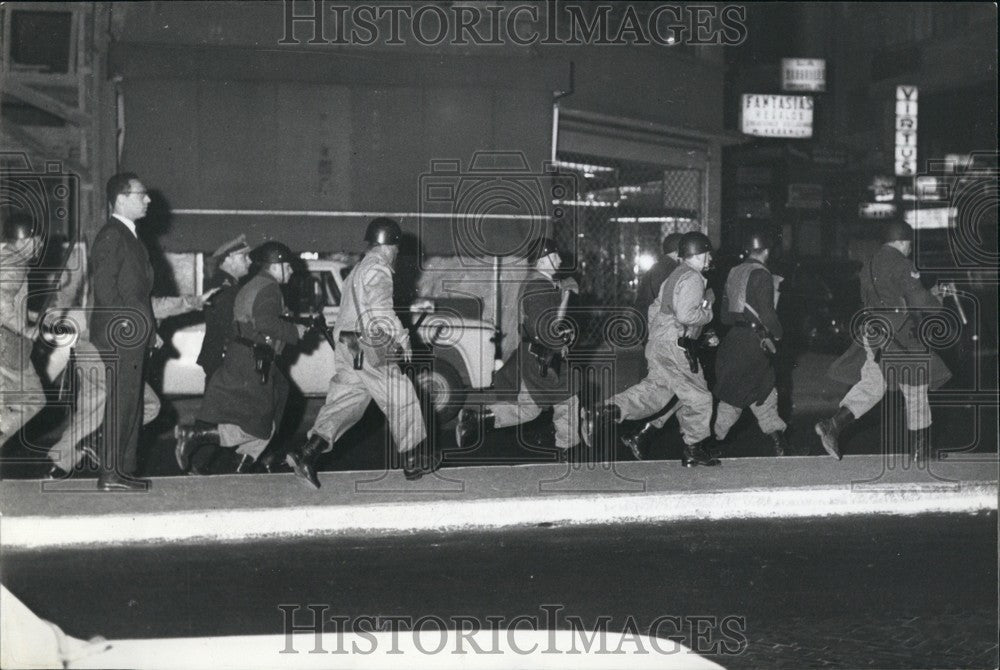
122,327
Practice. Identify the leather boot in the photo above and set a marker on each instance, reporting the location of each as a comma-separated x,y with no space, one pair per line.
421,460
592,422
697,454
303,462
781,447
829,430
637,442
189,438
921,441
472,424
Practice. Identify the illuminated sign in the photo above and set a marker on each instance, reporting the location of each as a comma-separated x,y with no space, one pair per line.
931,218
803,74
877,210
906,131
776,115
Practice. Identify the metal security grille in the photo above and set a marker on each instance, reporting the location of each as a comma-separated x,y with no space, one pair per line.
621,212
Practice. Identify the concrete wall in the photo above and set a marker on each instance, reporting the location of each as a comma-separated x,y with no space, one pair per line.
218,115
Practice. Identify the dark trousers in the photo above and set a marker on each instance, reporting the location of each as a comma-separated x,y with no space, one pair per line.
123,412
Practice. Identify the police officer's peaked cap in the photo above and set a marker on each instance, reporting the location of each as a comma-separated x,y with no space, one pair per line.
17,226
542,247
692,244
897,231
383,230
758,241
271,252
671,243
236,245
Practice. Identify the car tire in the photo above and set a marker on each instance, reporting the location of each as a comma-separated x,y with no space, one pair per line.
443,385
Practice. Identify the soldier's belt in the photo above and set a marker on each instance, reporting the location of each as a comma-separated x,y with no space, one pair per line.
263,356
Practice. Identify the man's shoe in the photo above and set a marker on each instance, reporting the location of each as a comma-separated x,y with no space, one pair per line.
189,438
303,463
471,424
781,446
696,454
114,482
592,422
637,442
272,462
829,430
420,461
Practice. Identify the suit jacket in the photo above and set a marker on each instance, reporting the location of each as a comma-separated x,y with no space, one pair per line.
122,280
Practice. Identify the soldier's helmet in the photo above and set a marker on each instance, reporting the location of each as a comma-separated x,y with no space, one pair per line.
272,252
897,231
17,226
542,247
692,244
383,230
758,241
671,243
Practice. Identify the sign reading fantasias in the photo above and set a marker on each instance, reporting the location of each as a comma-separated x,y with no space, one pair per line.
776,115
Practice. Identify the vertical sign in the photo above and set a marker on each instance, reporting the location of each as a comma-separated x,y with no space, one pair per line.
906,131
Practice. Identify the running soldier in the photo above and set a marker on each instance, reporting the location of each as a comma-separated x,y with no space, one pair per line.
743,369
890,289
20,381
370,338
541,357
683,308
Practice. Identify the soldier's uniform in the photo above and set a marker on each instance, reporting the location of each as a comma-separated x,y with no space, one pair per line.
246,410
366,312
21,394
890,290
744,373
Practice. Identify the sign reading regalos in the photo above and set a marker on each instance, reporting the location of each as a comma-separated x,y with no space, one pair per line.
776,115
803,74
906,131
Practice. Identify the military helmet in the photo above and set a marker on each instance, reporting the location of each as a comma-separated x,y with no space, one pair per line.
692,244
542,247
758,241
897,231
383,230
18,227
671,242
271,252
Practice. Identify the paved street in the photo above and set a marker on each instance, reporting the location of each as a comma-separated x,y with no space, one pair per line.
883,592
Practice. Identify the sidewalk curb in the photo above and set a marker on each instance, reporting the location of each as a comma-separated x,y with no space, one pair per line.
34,532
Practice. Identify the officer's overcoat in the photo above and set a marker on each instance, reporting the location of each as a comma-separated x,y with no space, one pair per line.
891,293
235,393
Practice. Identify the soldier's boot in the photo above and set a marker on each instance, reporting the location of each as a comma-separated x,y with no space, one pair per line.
921,441
594,421
638,442
421,460
829,430
189,439
471,425
698,454
781,446
303,462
